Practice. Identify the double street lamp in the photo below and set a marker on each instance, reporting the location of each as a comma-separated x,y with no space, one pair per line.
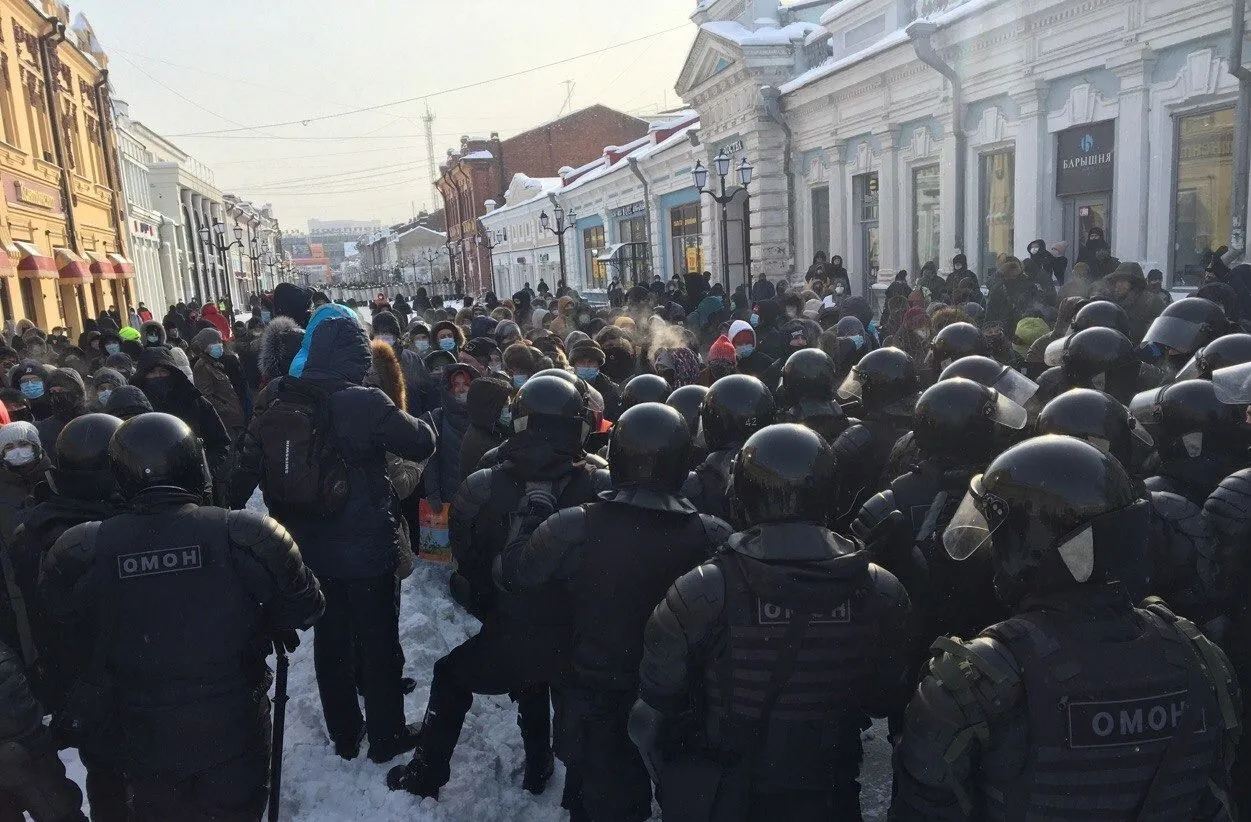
561,227
721,164
214,242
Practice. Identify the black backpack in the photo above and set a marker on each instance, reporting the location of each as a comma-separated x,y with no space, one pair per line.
304,472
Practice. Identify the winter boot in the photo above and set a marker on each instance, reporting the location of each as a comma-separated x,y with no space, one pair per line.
388,749
418,777
349,749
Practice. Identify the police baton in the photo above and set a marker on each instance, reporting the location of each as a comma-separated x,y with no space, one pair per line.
280,724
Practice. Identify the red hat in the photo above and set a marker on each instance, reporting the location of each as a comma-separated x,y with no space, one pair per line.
722,349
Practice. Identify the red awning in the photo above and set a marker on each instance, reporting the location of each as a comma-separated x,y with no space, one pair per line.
122,266
32,262
70,267
101,267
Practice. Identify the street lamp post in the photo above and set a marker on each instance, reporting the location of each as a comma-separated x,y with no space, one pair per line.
256,256
722,166
561,227
431,254
213,241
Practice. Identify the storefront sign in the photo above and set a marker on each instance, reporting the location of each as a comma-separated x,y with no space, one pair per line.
628,211
142,229
694,258
32,194
731,148
1084,159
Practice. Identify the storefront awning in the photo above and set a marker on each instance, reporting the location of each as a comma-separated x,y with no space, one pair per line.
32,262
70,267
121,265
101,266
608,253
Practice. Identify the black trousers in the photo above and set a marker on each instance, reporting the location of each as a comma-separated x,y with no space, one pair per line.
612,781
480,665
235,791
359,632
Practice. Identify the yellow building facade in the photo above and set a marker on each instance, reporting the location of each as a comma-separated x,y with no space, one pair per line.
62,225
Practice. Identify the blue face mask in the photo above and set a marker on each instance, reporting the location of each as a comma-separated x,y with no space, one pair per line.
386,338
266,316
744,351
587,372
32,390
102,397
754,319
858,340
112,348
872,326
422,346
506,417
520,380
447,344
216,350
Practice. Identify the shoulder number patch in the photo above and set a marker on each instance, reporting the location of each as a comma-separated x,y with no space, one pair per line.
1129,721
160,561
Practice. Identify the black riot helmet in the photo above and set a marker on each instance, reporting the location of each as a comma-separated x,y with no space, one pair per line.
554,408
955,341
1187,325
784,473
83,469
884,381
1090,353
157,451
645,388
688,401
650,448
736,407
993,374
1222,352
956,418
1097,418
1100,314
809,374
1189,420
1054,512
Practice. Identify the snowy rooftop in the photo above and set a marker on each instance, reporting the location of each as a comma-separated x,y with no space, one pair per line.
479,155
766,35
537,187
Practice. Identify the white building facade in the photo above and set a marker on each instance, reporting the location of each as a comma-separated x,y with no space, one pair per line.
142,220
1068,115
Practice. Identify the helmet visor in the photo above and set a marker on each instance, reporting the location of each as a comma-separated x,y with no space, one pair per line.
1145,407
1015,386
1233,384
1194,369
852,387
1054,353
1006,412
1175,333
970,530
1141,433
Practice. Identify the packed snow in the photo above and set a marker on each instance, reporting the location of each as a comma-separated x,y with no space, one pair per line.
318,786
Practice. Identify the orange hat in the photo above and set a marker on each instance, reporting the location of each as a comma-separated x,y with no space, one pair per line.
623,322
722,349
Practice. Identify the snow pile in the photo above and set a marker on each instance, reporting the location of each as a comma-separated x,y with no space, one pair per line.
318,786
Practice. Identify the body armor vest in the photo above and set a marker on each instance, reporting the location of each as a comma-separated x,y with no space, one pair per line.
1104,718
813,738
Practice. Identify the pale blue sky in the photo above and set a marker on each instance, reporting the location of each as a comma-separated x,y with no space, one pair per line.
246,63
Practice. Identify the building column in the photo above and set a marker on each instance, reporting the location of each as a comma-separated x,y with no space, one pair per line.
948,244
840,207
170,291
891,207
190,241
1032,184
1133,157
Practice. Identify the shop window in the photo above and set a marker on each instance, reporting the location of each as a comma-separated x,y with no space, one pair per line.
687,237
820,211
1201,208
27,289
925,216
635,256
596,270
996,206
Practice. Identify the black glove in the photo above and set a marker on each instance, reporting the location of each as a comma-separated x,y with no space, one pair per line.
539,502
289,640
879,524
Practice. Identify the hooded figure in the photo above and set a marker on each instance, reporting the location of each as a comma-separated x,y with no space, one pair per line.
1052,264
211,315
67,398
292,301
751,360
1097,254
210,378
1127,287
152,333
127,402
490,421
449,422
103,383
22,466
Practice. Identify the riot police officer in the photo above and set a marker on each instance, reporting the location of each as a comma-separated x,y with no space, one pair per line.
617,557
954,424
1223,352
522,647
790,639
736,407
953,342
1200,440
182,601
82,490
644,388
1182,329
806,393
689,401
1080,701
1099,358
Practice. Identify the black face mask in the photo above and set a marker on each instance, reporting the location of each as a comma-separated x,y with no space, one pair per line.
157,389
62,400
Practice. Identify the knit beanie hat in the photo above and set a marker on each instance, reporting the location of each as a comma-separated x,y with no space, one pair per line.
20,431
737,328
384,322
129,334
206,337
1028,330
722,349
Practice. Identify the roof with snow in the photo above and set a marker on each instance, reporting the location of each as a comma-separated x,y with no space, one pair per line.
478,155
735,32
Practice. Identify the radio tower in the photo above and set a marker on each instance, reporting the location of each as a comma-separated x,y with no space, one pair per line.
428,120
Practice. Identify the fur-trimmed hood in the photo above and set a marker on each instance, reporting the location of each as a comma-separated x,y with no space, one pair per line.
280,341
387,374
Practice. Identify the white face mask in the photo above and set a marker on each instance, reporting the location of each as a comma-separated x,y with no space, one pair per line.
1193,443
838,289
20,455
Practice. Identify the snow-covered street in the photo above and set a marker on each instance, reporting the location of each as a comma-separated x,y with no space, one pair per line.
317,786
